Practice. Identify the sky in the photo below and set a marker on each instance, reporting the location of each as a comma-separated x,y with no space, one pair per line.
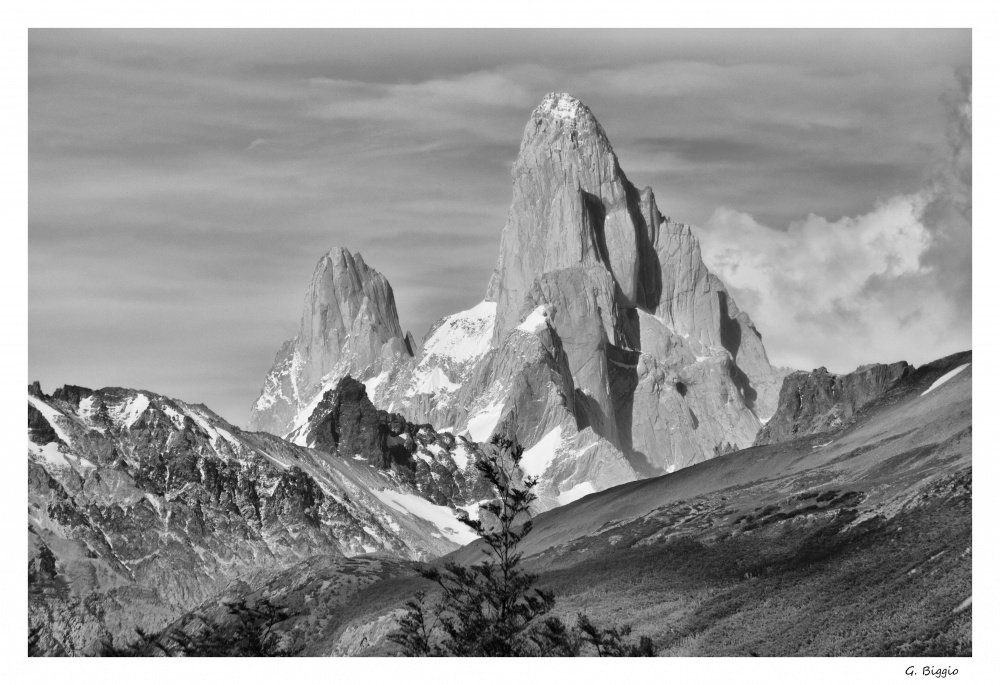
183,184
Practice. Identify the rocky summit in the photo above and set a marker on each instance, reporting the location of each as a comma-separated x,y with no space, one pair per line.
349,324
813,402
603,343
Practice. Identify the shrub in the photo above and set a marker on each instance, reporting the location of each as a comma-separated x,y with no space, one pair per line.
492,608
248,633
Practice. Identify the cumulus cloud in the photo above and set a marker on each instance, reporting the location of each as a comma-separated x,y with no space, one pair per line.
893,283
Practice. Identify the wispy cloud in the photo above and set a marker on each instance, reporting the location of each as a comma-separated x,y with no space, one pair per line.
212,168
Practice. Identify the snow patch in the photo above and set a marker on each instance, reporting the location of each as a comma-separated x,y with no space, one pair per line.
563,106
460,456
205,425
473,509
299,436
50,413
301,421
535,322
463,336
155,501
175,417
263,402
53,457
279,462
435,380
371,385
442,518
945,378
49,455
481,425
576,492
217,433
87,411
130,411
537,459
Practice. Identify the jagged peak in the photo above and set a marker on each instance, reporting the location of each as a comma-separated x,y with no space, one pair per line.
562,114
343,274
338,252
668,225
342,256
562,106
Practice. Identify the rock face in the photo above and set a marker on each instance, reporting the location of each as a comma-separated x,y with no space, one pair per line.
816,401
349,325
572,206
664,365
140,507
441,384
602,333
438,466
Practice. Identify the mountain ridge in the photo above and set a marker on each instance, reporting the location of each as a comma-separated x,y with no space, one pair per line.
601,332
861,533
643,397
141,506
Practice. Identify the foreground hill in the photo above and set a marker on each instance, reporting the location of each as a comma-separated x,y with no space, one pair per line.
852,541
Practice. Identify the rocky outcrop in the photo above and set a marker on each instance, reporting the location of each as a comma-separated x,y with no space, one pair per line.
572,205
349,325
439,466
664,365
140,506
346,421
696,304
580,306
817,401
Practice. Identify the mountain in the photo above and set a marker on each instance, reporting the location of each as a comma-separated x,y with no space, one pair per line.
815,401
685,486
604,344
853,541
141,507
349,325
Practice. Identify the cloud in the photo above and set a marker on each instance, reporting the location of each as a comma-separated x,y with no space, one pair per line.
893,283
838,293
183,183
473,102
958,174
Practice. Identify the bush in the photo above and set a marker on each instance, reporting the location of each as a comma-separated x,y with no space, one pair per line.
248,633
492,608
